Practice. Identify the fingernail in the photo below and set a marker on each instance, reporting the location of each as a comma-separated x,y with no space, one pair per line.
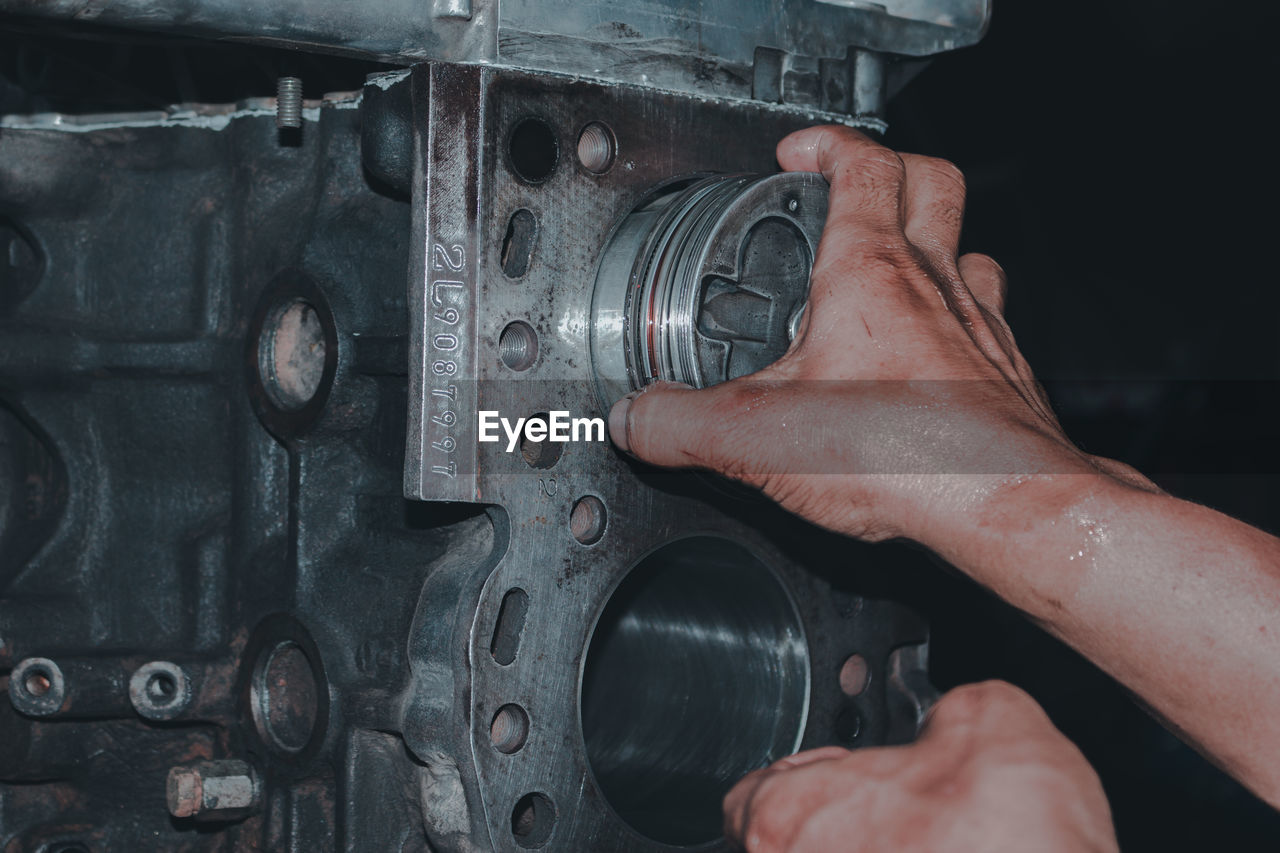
618,421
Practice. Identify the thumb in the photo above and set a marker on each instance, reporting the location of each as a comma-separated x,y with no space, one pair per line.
668,423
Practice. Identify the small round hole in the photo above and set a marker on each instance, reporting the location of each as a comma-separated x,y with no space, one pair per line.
854,674
291,355
518,346
533,150
540,454
596,148
848,726
509,729
587,520
532,820
161,688
37,682
793,205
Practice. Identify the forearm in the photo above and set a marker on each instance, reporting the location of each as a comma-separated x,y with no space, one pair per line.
1178,602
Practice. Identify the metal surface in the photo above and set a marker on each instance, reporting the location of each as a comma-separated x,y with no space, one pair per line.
210,554
288,102
705,282
800,52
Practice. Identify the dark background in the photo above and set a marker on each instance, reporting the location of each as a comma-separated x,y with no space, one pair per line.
1120,165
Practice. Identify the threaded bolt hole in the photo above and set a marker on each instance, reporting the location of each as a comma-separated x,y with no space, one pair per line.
509,729
596,148
518,346
587,519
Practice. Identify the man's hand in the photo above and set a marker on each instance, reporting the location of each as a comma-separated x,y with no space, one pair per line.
989,773
904,372
903,408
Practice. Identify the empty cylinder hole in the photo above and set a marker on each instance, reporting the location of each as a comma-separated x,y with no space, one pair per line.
587,519
509,627
518,346
509,729
714,627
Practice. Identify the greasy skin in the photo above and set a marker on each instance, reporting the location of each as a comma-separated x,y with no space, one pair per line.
905,410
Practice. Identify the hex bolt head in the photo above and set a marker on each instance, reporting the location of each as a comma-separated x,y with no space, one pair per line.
212,790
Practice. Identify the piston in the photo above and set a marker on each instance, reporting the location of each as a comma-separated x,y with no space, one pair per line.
705,281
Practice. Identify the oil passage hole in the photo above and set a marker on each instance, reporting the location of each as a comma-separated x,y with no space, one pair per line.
518,346
696,674
509,627
509,729
587,519
517,244
532,820
848,726
540,453
854,675
533,150
37,682
161,688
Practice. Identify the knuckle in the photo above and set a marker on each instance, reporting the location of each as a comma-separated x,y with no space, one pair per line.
769,818
970,702
945,174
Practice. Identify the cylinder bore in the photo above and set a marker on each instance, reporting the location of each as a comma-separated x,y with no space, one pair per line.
696,674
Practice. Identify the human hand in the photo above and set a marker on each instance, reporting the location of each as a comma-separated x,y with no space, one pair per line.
989,773
904,375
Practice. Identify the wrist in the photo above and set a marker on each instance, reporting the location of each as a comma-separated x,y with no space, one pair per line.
1029,537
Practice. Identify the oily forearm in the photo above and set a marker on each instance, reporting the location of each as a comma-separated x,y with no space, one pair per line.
1178,602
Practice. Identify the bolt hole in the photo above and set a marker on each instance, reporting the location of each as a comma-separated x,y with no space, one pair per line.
596,147
517,244
854,675
848,726
518,346
38,682
793,205
533,150
509,729
532,820
540,454
587,519
161,688
291,355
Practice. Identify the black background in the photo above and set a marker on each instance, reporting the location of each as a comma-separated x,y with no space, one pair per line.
1121,164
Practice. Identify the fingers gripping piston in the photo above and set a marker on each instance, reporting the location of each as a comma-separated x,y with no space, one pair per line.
706,281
